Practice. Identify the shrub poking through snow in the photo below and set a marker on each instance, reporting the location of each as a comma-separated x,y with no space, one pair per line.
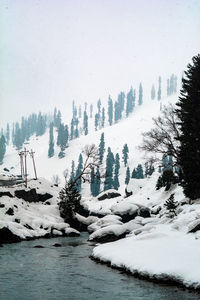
171,206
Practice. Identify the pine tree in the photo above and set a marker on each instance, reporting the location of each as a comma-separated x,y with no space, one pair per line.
159,88
72,129
121,100
110,111
92,182
116,172
70,202
72,175
74,110
166,179
103,117
95,182
175,84
171,206
76,131
98,182
189,115
13,132
62,139
96,121
2,148
41,125
78,172
101,148
153,92
108,184
91,110
54,116
168,88
99,106
18,141
51,141
117,112
85,105
140,174
80,112
7,134
60,134
134,173
125,152
85,123
140,97
127,179
66,135
58,119
130,101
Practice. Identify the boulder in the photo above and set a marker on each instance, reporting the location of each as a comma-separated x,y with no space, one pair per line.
194,226
6,194
128,194
108,195
10,212
57,245
7,236
32,196
111,237
144,212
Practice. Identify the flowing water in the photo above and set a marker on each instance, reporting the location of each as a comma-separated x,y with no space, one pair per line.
67,273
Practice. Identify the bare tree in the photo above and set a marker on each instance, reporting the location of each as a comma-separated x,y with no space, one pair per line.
91,161
69,195
163,138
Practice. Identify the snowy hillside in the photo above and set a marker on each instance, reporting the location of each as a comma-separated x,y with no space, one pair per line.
142,238
127,131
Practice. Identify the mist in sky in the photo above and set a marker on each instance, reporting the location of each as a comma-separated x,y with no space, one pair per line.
52,52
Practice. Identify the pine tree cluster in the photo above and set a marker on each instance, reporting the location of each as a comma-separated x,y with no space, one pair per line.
171,85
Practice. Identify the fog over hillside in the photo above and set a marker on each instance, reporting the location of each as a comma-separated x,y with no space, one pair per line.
55,51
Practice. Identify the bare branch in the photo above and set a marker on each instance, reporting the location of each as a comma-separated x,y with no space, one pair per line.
163,137
91,154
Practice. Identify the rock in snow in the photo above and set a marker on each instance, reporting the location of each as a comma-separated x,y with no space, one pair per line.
109,194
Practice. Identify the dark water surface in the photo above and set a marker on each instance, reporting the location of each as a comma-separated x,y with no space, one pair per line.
66,273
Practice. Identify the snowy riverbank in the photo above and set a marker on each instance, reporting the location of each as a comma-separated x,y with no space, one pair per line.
162,255
29,213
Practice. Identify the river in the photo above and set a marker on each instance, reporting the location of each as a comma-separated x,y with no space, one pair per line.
67,273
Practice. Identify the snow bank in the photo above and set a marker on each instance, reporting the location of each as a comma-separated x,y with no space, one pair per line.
30,220
160,255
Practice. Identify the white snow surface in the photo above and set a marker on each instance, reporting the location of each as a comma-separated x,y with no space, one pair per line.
155,247
160,254
40,217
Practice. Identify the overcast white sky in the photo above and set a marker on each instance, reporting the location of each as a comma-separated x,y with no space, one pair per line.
54,51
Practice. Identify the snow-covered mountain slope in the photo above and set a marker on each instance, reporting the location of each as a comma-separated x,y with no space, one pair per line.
151,244
128,131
